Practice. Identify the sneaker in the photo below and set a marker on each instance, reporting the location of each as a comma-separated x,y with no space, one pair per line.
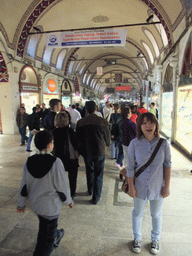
59,237
136,246
155,247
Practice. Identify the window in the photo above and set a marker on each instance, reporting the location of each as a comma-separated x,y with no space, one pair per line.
153,42
161,30
81,71
31,49
60,59
84,78
149,52
70,70
47,56
88,79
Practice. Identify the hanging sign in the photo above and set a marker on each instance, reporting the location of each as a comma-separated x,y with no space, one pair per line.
99,70
90,38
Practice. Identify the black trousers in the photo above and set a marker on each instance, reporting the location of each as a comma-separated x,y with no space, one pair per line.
46,236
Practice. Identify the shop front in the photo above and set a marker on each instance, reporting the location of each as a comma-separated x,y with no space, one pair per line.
50,91
29,88
184,104
167,103
66,93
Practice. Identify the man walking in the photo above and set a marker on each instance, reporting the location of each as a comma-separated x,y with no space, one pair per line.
21,120
48,122
75,116
93,134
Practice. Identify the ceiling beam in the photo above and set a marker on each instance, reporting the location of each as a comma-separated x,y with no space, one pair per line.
94,28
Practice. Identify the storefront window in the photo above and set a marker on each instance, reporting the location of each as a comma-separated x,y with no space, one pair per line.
167,105
184,117
30,100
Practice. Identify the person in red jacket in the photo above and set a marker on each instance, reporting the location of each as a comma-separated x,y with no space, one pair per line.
142,108
134,116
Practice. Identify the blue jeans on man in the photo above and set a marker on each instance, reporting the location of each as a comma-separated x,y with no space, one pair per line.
94,173
22,131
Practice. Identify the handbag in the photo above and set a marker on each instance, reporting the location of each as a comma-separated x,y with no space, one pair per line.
125,185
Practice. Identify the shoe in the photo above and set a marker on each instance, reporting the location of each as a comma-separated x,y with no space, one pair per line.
28,150
22,144
59,237
154,247
136,246
94,201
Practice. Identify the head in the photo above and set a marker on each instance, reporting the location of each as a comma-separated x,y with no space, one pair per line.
145,119
38,108
152,105
61,120
143,104
90,106
126,112
34,109
43,106
117,108
108,104
77,105
22,110
55,105
44,141
22,105
73,107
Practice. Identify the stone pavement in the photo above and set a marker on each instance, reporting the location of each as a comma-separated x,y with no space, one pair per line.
103,229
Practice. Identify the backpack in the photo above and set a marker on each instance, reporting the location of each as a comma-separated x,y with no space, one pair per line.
115,130
157,113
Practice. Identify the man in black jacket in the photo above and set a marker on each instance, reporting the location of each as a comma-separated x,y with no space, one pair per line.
33,122
93,134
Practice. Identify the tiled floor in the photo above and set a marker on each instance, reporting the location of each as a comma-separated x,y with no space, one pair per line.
104,229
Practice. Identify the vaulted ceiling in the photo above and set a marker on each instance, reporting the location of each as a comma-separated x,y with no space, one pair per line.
145,42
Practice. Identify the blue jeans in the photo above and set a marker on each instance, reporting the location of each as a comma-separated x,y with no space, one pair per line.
46,236
29,141
120,155
94,173
22,131
114,149
156,214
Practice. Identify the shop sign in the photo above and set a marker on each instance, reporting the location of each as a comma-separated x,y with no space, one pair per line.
89,38
30,88
51,85
99,70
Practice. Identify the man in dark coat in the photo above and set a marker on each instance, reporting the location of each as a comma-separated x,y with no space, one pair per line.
33,122
21,120
93,134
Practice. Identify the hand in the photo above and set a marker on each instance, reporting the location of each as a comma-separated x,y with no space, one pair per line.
71,205
21,210
132,192
165,192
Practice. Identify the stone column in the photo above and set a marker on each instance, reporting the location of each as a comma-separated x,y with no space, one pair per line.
174,63
159,91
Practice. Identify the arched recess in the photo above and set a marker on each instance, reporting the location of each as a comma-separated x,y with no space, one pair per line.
66,93
4,76
29,87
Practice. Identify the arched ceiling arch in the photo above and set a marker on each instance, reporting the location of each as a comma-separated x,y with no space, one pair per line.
20,17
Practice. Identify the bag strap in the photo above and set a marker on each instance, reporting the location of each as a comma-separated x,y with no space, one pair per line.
150,159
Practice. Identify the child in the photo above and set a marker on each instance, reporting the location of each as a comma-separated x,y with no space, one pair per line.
46,186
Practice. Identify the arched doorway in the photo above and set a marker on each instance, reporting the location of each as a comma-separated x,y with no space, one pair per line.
29,88
66,93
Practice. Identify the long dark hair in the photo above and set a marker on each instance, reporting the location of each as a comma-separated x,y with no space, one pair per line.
150,117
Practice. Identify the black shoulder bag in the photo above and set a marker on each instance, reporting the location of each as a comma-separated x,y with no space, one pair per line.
125,186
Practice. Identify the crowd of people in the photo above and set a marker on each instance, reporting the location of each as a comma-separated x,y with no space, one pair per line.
61,135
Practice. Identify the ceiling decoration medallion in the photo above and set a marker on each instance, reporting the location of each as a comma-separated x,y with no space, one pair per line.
100,19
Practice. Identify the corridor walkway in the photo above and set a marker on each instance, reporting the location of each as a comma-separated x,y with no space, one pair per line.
103,229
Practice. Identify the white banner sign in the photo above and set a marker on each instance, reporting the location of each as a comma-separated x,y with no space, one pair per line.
91,38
